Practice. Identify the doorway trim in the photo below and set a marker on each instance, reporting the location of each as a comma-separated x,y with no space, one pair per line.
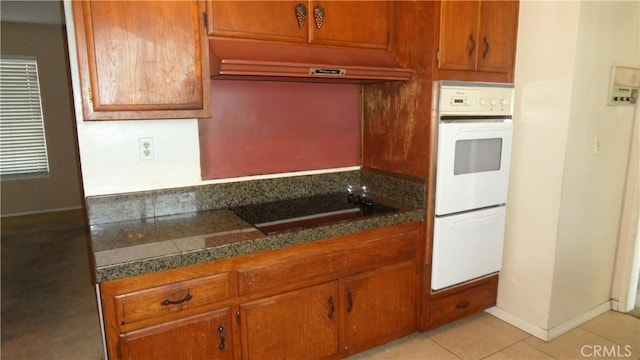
627,265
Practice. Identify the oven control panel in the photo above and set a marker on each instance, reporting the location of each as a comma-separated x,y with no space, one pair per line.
474,98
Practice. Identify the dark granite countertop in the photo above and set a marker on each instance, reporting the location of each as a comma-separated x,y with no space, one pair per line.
132,247
138,247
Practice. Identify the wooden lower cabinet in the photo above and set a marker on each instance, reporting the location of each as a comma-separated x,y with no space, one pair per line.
378,306
449,305
203,336
301,324
323,300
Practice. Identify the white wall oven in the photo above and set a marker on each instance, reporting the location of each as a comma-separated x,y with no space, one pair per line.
472,178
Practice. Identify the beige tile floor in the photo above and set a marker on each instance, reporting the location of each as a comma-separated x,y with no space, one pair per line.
611,335
49,312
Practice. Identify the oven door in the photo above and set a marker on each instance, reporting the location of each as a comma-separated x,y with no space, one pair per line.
473,165
467,246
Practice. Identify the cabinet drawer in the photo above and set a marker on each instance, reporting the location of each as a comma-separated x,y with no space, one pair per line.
382,251
147,303
460,304
301,269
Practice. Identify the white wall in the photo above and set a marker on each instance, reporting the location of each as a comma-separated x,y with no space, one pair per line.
545,56
565,200
594,181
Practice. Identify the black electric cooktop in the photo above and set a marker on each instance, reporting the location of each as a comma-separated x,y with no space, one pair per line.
301,213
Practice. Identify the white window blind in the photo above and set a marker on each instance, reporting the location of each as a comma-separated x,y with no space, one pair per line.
23,147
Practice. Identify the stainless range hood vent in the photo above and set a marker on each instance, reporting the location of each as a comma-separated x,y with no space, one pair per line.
261,60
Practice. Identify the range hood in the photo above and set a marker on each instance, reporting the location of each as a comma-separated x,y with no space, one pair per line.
261,60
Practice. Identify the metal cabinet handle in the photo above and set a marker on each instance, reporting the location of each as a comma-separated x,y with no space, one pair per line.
167,302
462,305
221,334
486,49
473,44
332,307
350,302
301,14
318,14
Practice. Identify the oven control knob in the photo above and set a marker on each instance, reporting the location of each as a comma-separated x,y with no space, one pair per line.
494,101
504,102
483,101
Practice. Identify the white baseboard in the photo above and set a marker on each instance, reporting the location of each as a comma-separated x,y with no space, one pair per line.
521,324
550,334
43,211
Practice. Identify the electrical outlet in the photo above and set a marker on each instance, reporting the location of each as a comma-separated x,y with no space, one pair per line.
145,148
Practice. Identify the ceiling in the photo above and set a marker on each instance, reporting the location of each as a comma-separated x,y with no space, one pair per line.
27,11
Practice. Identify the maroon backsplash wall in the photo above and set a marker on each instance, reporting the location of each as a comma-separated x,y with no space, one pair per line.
263,127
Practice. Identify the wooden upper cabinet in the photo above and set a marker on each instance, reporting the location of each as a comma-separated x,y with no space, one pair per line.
478,35
142,59
258,20
359,24
364,24
459,35
498,28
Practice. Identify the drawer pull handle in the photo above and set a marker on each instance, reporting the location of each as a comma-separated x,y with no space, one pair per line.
333,307
221,334
318,14
486,50
350,301
301,14
168,302
462,305
473,44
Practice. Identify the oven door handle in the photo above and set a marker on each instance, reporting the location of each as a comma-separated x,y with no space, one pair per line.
487,129
476,220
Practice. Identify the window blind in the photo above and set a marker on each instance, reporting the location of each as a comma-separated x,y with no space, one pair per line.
23,147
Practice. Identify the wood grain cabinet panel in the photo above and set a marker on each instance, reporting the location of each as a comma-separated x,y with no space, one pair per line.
378,305
360,24
478,36
356,24
258,20
454,304
156,301
498,27
142,59
302,324
203,336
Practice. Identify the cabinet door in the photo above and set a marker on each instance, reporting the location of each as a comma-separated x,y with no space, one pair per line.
498,27
379,305
258,20
203,336
301,324
142,59
364,24
459,42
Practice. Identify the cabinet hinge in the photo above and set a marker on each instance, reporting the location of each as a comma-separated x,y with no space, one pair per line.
89,94
438,57
205,20
238,317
